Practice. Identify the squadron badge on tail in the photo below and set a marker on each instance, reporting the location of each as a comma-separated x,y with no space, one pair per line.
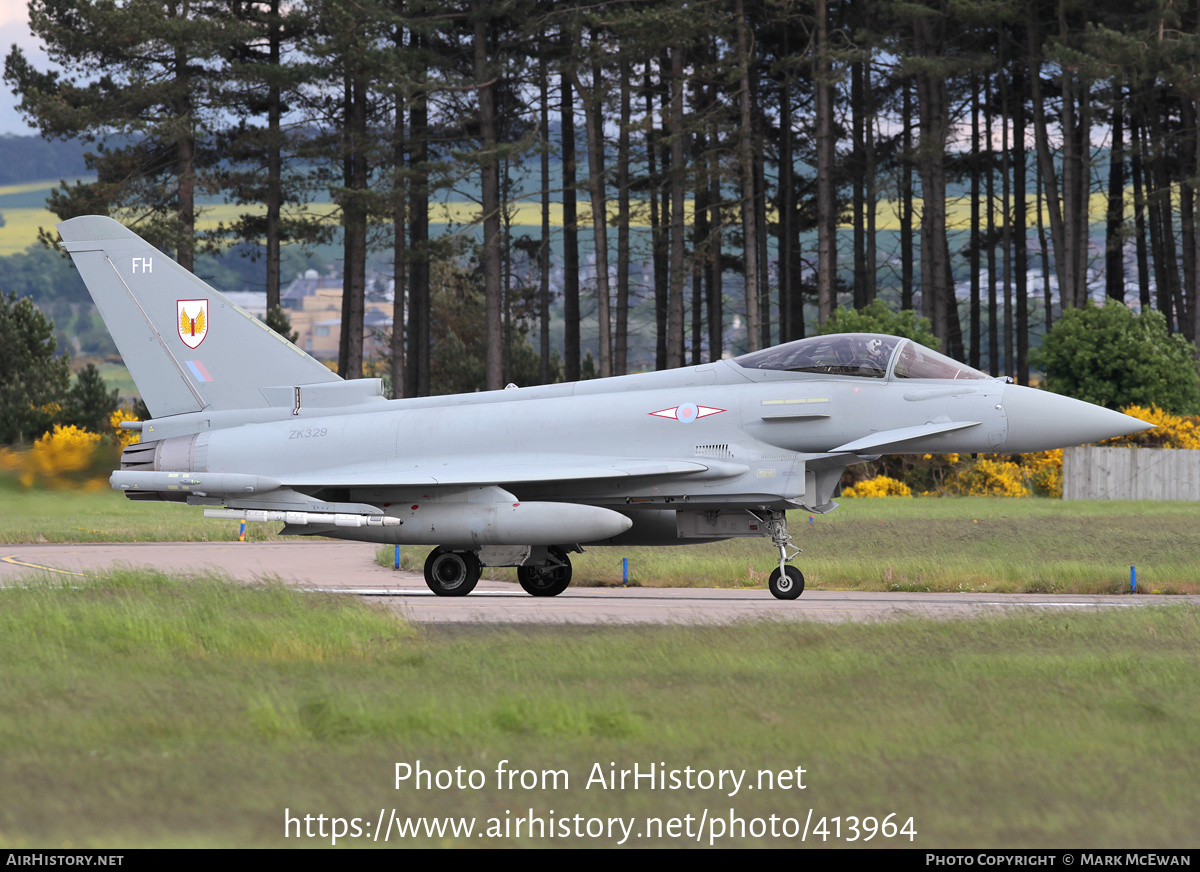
193,321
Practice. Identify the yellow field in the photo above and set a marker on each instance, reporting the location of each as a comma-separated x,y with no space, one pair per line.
20,228
21,224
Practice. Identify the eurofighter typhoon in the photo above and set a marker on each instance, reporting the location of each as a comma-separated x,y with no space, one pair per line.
246,425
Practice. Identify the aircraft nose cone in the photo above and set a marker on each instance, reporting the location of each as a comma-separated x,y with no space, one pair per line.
1039,420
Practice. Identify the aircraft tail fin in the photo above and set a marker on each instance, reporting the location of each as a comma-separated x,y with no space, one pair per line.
187,346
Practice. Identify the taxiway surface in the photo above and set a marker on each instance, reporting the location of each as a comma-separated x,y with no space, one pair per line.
349,567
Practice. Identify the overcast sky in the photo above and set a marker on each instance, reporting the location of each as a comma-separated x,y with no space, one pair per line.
14,28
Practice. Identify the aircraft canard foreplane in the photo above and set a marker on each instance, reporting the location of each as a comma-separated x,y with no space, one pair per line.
246,425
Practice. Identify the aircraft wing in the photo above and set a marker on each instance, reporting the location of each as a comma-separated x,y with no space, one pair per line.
460,472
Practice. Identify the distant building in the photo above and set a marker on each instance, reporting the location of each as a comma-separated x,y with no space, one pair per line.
313,302
254,302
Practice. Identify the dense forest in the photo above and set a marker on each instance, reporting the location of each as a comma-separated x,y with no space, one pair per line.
741,133
29,158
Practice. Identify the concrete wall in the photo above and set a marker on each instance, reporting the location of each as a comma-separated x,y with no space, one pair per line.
1093,472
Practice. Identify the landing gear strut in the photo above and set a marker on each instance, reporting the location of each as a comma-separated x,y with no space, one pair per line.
547,579
786,582
452,573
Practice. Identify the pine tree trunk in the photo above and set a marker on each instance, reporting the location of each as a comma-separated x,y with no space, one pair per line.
398,254
1063,253
992,305
936,275
416,377
544,248
975,242
571,340
1187,218
716,311
1006,245
658,221
621,340
1114,244
826,194
1044,247
870,193
907,270
1020,231
594,119
185,144
1136,170
857,174
490,191
678,167
354,229
746,172
701,275
791,304
274,193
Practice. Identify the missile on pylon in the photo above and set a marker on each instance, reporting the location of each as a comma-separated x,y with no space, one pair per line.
193,482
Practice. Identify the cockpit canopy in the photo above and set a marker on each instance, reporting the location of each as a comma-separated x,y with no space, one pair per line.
867,355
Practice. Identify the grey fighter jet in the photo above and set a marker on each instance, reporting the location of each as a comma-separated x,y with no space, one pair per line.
246,425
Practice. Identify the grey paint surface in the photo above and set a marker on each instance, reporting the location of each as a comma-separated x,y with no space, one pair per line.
246,422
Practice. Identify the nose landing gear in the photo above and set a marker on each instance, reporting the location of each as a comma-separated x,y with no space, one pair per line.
786,582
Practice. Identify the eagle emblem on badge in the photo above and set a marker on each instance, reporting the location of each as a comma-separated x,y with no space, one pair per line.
193,321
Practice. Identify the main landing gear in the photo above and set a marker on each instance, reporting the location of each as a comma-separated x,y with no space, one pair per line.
450,572
549,578
786,582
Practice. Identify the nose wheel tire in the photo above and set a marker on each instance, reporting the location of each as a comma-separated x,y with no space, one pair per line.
452,573
546,579
786,585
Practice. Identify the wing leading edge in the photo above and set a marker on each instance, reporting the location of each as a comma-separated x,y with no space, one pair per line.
456,473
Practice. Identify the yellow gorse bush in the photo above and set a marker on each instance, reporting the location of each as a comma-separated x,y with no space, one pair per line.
987,477
1170,431
1039,472
69,456
59,454
125,437
950,459
880,486
1043,472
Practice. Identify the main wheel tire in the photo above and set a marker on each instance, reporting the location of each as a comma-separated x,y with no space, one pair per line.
547,579
787,586
452,573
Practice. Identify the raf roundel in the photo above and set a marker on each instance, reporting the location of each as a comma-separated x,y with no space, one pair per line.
687,412
192,320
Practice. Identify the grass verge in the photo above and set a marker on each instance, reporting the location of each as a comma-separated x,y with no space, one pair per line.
143,710
945,544
34,515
